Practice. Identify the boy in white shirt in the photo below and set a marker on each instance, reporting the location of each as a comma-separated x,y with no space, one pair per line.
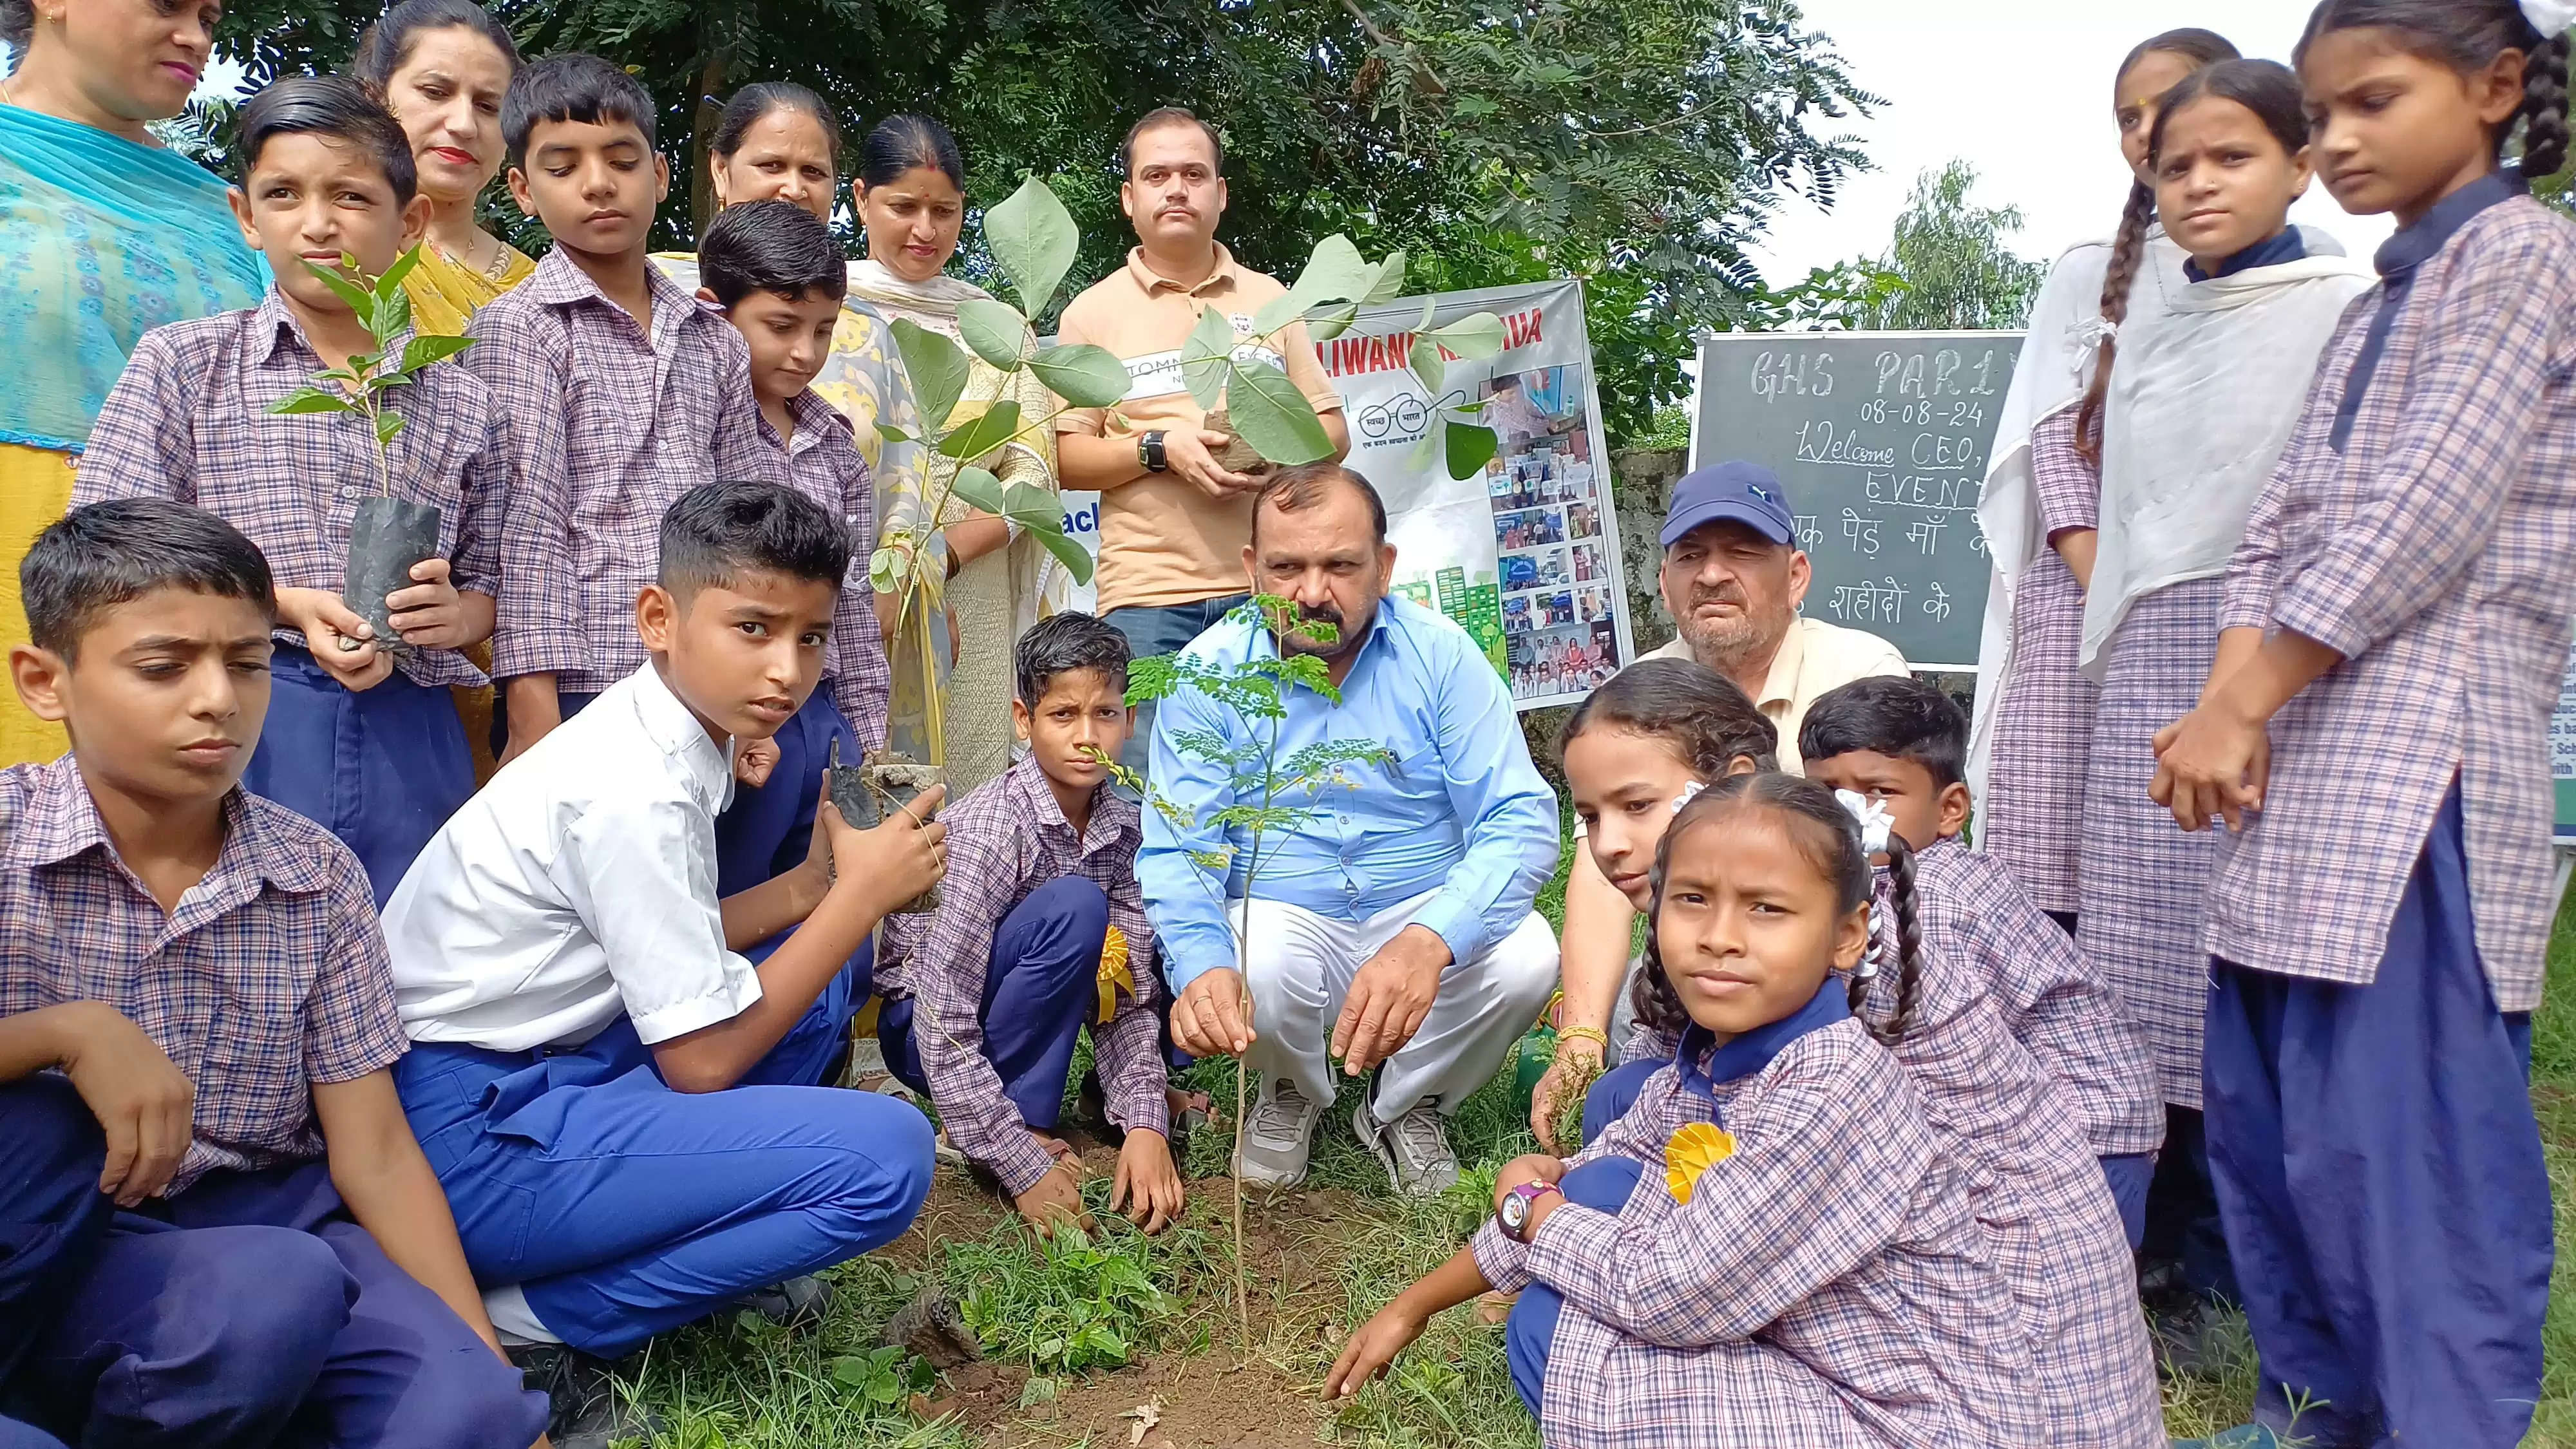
626,1113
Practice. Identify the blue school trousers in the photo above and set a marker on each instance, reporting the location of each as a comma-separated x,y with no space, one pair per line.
1040,988
1604,1185
247,1311
768,829
2130,1175
380,768
622,1208
2379,1171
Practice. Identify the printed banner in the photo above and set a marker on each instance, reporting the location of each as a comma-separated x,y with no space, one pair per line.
1524,555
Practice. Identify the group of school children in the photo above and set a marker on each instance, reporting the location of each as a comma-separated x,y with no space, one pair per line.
347,1104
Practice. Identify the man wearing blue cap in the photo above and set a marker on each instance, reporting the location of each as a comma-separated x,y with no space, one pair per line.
1733,576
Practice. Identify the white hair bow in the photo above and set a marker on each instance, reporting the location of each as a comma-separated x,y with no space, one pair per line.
1875,822
2093,331
1689,793
2550,17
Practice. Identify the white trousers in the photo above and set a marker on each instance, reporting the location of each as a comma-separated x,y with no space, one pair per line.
1301,970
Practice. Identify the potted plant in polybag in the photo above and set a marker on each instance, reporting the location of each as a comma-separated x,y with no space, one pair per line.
388,536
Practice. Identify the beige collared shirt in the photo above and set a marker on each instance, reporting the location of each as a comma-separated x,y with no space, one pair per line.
1162,541
1815,658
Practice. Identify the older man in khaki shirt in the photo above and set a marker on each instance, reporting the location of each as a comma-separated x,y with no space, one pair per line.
1173,524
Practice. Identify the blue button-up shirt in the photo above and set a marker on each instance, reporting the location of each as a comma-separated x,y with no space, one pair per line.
1459,809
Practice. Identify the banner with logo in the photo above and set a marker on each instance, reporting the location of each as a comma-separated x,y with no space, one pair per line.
1524,553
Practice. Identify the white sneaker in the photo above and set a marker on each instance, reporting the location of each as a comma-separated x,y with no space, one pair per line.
1277,1135
1414,1147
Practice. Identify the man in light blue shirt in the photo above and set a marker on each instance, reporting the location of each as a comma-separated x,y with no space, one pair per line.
1392,928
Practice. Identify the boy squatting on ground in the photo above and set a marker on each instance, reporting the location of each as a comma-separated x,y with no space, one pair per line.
1040,932
623,392
357,740
627,1114
1901,742
270,1256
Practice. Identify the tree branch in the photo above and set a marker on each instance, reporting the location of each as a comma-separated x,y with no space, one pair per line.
1411,53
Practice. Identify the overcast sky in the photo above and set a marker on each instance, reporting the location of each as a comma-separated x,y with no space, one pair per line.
2022,90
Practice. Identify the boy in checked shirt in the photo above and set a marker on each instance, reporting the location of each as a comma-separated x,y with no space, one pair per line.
220,1220
779,276
1040,933
363,741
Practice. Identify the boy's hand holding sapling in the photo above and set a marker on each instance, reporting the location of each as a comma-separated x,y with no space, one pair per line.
342,643
431,614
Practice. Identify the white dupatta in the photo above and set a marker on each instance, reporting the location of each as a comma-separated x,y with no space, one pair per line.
2202,402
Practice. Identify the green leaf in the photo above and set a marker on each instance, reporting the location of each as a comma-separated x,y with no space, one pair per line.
893,434
983,433
422,352
851,1371
311,400
1034,238
998,334
1083,375
392,320
1269,413
389,426
1068,551
392,280
882,575
936,368
979,490
1389,284
1470,447
1207,358
1480,335
358,298
1336,273
1426,363
1331,322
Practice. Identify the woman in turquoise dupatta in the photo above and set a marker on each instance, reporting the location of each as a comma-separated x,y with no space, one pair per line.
108,235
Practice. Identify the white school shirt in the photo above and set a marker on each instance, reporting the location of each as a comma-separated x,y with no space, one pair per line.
578,885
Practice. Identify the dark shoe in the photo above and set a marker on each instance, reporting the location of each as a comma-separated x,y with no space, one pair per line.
588,1409
796,1303
2186,1329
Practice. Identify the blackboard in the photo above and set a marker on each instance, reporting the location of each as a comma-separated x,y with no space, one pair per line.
1882,440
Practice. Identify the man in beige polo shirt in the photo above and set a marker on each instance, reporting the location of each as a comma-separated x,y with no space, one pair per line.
1173,524
1733,577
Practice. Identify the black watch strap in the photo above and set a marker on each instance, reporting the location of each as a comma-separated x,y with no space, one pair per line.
1149,451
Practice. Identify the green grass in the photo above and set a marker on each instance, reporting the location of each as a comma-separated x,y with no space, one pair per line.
740,1384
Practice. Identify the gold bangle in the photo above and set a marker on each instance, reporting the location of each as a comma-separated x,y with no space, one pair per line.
1592,1034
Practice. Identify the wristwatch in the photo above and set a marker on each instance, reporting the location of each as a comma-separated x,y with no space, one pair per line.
1149,451
1519,1206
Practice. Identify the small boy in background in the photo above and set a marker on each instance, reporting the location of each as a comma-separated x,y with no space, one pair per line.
1041,932
779,276
219,1221
1900,741
622,392
365,744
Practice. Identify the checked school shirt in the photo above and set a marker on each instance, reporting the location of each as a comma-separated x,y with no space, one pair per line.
189,421
823,463
607,426
1973,909
269,978
1005,839
1826,1287
2036,1186
2423,525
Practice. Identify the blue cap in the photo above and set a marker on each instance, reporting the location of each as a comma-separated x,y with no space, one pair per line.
1748,493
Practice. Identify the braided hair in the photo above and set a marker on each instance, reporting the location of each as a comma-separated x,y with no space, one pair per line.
17,29
1830,839
2202,48
2468,35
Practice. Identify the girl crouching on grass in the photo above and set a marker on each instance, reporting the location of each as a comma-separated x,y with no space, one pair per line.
1772,1248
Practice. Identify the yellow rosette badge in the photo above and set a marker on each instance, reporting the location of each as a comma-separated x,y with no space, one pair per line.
1114,974
1693,1150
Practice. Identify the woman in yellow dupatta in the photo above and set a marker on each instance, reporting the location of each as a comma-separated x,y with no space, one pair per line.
911,199
108,234
442,67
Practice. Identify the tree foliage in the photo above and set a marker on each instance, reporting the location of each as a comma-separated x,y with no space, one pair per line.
1638,144
1949,262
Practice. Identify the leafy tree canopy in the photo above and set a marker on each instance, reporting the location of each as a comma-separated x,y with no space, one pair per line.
1949,262
1636,143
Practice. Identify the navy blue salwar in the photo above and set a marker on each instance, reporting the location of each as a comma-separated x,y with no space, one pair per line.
1604,1184
245,1311
2379,1171
381,768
